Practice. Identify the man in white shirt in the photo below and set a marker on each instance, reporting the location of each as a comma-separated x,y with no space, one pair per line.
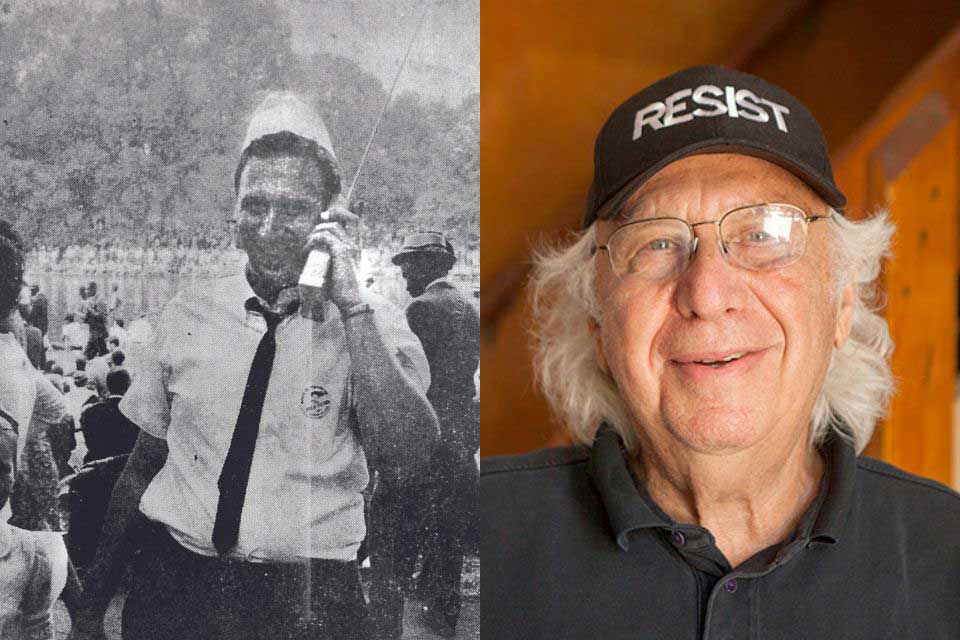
74,335
33,564
114,302
225,432
118,331
140,331
97,370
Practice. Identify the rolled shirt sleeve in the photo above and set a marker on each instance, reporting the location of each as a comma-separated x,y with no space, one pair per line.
50,406
49,576
147,402
393,326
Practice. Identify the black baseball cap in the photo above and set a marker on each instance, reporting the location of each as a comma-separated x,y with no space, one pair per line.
706,109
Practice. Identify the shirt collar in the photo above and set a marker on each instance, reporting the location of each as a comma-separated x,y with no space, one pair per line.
6,538
286,305
442,280
629,508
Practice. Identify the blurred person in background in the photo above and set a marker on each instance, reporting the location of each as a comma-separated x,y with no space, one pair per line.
437,521
106,431
95,318
73,334
39,309
33,564
108,438
82,303
12,320
118,331
140,331
36,406
114,304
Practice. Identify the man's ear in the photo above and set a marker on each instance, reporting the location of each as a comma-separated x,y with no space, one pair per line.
597,332
848,299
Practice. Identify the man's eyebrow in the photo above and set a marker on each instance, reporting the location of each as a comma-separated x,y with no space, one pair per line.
259,197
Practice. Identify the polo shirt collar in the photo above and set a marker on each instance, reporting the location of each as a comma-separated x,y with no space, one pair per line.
629,509
841,471
626,510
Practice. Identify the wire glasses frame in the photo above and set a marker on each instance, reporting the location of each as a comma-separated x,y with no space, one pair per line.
764,236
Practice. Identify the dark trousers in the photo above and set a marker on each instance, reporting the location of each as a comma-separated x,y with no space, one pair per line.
455,498
393,554
435,519
89,498
179,595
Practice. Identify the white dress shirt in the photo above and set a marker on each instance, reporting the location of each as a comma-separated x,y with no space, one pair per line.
303,499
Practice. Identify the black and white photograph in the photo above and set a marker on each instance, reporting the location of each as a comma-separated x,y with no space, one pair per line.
239,319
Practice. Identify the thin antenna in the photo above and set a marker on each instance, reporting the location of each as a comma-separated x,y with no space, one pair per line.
386,102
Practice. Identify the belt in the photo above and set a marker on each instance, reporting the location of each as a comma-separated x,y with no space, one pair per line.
165,542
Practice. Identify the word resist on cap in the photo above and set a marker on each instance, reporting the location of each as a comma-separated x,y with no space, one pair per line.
713,101
705,109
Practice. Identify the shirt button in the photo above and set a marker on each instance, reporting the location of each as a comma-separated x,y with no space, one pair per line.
730,585
678,539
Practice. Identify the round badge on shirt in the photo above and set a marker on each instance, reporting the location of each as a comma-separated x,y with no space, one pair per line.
315,401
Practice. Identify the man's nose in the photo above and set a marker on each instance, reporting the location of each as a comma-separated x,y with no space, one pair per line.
709,287
267,224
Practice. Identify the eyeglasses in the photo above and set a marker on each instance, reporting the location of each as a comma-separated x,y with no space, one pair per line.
758,237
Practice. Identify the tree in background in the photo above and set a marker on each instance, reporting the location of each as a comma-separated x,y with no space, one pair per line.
123,119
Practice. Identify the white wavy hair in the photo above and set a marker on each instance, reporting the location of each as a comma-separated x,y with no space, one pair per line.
855,392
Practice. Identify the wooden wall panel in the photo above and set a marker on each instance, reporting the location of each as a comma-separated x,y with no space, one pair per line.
915,175
906,158
844,57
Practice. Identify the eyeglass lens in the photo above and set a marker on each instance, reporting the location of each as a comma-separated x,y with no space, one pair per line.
759,238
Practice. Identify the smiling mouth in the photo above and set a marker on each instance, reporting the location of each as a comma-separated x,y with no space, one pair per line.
716,360
719,363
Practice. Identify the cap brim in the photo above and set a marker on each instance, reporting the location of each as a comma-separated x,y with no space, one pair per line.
823,188
406,253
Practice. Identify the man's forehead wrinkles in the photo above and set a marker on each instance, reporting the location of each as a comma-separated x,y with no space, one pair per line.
282,173
289,191
704,200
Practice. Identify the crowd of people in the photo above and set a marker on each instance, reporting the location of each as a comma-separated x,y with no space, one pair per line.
64,424
122,257
387,401
197,259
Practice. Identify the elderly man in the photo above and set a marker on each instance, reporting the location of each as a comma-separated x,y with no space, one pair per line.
259,414
709,334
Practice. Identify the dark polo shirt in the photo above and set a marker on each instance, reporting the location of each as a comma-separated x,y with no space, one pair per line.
574,547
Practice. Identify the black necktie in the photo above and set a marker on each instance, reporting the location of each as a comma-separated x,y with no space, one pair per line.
236,468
